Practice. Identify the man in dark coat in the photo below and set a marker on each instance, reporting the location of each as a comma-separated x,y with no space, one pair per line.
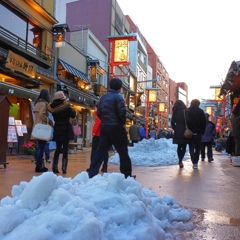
112,112
134,132
207,139
197,124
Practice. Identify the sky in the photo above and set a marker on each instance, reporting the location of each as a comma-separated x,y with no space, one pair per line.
108,206
196,39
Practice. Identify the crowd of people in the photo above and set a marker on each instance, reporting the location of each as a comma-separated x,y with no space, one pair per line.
109,131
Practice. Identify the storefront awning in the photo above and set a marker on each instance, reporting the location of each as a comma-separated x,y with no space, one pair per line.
78,96
74,71
232,80
17,91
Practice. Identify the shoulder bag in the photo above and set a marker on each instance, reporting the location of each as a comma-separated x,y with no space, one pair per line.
42,132
187,133
76,129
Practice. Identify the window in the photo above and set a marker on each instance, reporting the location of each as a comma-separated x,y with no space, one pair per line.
20,26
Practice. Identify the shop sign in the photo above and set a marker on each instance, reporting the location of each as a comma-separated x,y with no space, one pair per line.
121,51
152,95
161,107
20,64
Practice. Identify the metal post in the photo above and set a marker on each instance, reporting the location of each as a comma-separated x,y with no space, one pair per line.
147,107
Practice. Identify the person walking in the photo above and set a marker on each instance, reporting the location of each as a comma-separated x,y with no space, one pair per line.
142,132
153,133
41,116
95,142
63,133
134,133
197,125
112,112
178,125
207,139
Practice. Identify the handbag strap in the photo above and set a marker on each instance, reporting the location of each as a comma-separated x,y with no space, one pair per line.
185,118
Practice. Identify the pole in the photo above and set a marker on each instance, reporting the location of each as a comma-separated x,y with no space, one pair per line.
147,108
82,38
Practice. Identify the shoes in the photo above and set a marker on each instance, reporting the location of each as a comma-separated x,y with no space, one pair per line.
104,170
42,169
210,160
181,165
195,166
55,171
48,160
132,176
202,159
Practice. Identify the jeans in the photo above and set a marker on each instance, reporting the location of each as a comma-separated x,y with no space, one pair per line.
47,151
209,150
194,148
95,143
40,150
112,135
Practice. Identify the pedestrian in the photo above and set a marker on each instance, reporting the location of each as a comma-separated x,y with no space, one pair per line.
142,132
162,134
207,139
235,119
178,125
134,133
47,152
153,133
95,142
112,112
41,116
62,112
197,125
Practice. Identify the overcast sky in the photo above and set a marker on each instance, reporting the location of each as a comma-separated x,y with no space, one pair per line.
196,39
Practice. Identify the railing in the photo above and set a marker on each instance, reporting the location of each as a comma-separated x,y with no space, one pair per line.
9,36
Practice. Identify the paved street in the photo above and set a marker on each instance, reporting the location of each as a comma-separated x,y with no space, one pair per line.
211,193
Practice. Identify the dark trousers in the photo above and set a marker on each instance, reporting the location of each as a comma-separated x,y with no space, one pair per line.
209,150
39,153
181,150
95,143
47,151
112,135
61,146
194,148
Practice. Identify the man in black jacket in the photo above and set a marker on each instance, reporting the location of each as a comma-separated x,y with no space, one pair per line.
112,112
197,125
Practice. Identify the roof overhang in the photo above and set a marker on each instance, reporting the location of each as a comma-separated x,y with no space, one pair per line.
232,79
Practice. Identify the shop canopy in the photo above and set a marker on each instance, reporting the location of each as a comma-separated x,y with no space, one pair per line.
232,80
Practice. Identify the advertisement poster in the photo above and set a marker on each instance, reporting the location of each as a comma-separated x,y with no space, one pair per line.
12,134
121,51
11,121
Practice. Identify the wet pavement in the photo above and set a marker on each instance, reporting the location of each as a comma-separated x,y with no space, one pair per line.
211,193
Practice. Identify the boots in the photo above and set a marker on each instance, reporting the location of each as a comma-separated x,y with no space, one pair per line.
40,168
55,165
64,165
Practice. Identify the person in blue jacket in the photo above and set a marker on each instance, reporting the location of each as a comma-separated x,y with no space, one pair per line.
207,139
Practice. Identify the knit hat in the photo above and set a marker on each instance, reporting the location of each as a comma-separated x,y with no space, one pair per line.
115,84
59,95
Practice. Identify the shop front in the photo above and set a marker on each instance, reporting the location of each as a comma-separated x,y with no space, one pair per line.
21,81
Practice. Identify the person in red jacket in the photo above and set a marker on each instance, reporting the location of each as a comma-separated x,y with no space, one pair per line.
95,140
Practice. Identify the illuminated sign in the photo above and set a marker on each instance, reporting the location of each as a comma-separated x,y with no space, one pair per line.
152,95
121,51
209,110
161,107
217,92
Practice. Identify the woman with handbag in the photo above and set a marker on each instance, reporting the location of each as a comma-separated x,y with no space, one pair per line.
63,132
41,116
179,126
